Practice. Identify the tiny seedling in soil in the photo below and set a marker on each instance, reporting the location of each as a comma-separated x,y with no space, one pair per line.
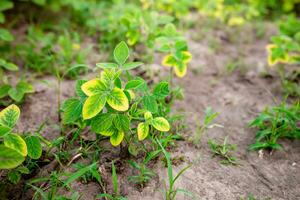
224,151
171,191
143,176
274,123
116,195
209,116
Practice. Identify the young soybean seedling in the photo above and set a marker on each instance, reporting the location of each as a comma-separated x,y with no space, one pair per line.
223,151
209,116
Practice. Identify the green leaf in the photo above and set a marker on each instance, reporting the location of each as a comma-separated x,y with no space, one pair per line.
161,90
117,138
79,173
78,90
142,130
20,90
5,5
4,90
16,142
5,35
102,122
34,147
131,65
121,53
122,122
114,178
118,100
107,65
150,103
4,130
9,116
72,109
14,176
9,158
9,66
93,105
133,84
161,124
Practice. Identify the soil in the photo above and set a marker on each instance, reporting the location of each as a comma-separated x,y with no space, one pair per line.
238,96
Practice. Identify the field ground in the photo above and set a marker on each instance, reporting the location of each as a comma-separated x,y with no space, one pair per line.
238,96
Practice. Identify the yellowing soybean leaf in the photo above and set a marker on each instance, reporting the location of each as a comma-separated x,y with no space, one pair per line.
143,131
186,56
161,124
168,61
9,158
108,132
93,105
121,53
9,116
118,100
117,138
34,147
180,69
16,142
92,87
147,115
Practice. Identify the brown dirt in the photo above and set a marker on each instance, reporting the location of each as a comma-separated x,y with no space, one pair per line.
237,96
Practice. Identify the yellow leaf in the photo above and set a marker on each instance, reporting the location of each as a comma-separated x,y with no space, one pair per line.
93,86
180,69
16,142
142,130
93,105
117,138
161,124
168,61
118,100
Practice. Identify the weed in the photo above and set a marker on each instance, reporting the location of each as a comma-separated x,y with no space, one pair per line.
223,150
116,195
170,190
274,123
144,174
209,116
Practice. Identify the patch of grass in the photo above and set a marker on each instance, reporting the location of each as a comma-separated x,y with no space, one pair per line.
274,123
224,151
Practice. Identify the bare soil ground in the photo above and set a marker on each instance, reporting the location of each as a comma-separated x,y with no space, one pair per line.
238,97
